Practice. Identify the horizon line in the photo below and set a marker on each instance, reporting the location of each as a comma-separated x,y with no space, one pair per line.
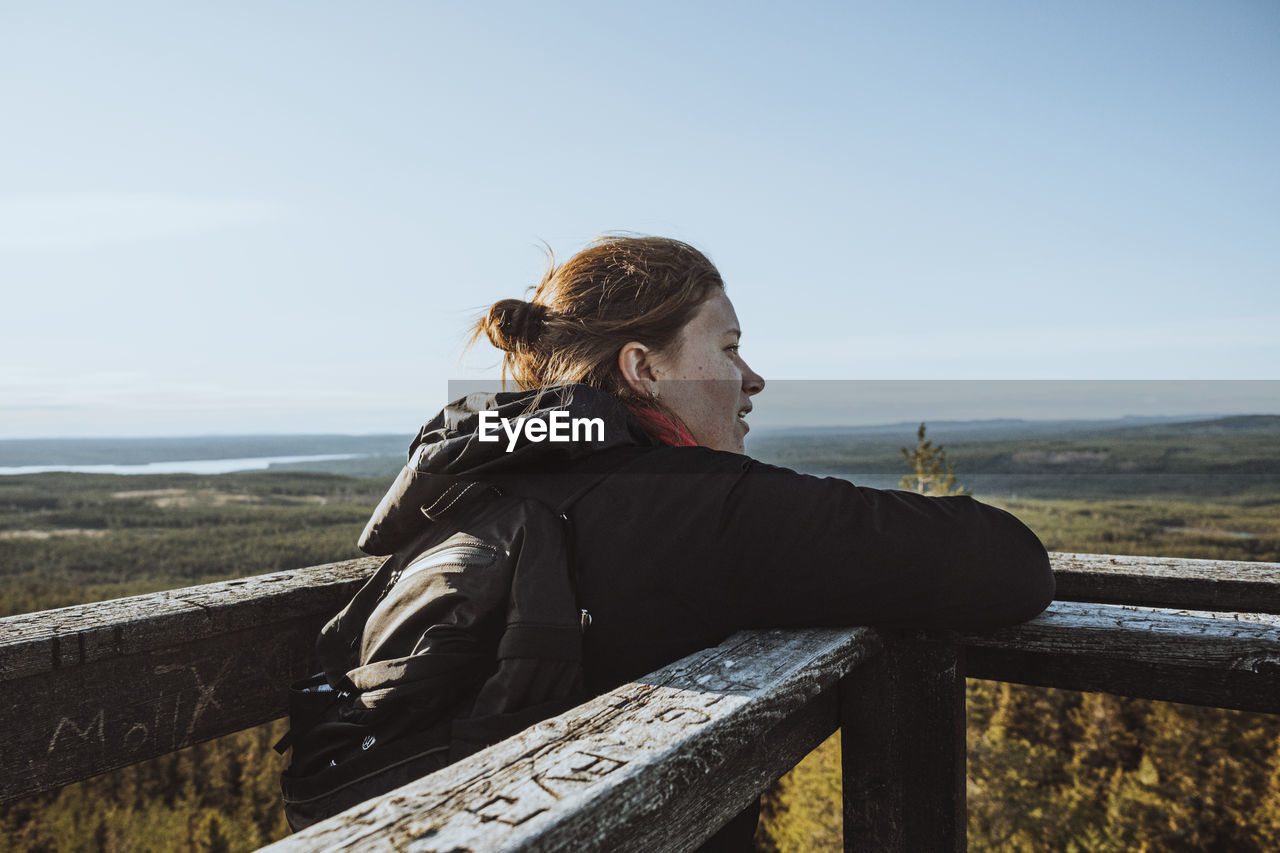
1180,418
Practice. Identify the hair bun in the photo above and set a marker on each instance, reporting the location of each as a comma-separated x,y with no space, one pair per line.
514,323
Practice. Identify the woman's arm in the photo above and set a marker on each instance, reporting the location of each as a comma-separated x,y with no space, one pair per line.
788,549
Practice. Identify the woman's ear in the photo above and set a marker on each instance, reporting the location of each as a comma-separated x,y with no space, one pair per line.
635,360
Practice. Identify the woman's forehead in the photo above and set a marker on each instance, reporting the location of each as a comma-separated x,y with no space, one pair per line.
716,316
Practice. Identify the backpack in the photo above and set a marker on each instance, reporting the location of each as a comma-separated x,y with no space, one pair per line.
467,634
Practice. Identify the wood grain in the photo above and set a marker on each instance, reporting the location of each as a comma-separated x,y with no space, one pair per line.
98,686
1225,660
1168,582
902,720
658,764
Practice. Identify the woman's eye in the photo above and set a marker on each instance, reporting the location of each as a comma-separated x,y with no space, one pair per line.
732,348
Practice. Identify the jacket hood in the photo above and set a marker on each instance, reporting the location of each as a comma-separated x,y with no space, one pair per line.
448,453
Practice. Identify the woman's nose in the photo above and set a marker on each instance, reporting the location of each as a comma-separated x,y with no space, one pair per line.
752,382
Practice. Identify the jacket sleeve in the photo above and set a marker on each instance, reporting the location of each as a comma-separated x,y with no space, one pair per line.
790,549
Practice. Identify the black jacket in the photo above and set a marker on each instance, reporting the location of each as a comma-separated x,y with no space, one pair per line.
676,548
679,547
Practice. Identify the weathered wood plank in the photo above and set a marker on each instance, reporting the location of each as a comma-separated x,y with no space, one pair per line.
1168,582
105,676
33,643
712,800
1226,660
98,686
902,722
631,770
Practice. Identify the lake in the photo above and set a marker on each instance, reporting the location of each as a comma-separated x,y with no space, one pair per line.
181,466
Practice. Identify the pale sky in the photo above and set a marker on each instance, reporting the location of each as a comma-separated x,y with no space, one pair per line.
282,217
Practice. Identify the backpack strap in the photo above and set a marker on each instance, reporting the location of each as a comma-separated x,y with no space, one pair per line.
575,579
561,511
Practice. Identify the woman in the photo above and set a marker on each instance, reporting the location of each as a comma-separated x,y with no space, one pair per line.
678,539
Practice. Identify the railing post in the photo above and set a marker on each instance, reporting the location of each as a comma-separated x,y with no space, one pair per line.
902,718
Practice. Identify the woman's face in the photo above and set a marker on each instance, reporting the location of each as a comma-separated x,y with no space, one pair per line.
704,380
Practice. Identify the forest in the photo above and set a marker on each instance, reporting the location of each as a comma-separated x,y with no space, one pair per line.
1047,769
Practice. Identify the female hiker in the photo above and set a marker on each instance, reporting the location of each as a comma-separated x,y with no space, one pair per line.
668,537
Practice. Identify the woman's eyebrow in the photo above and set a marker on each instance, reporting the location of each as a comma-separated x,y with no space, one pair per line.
733,331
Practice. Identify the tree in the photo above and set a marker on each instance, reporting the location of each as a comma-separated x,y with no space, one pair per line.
931,475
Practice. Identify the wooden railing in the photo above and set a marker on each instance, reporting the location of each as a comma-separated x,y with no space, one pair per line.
658,764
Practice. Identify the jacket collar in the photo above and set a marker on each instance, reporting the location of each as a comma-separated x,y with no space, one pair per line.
448,450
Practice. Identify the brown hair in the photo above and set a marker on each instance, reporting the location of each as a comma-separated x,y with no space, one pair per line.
616,290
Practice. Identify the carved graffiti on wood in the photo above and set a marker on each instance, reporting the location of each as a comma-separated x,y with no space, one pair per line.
683,716
506,809
133,734
204,692
98,723
515,804
582,768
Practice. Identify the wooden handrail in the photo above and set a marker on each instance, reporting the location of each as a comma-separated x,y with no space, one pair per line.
669,757
1227,585
94,687
614,774
1224,660
98,686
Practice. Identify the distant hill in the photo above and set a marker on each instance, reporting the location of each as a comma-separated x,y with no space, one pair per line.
1006,428
1003,428
1236,455
1214,426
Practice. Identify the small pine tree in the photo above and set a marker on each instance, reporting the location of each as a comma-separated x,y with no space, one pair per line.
930,473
